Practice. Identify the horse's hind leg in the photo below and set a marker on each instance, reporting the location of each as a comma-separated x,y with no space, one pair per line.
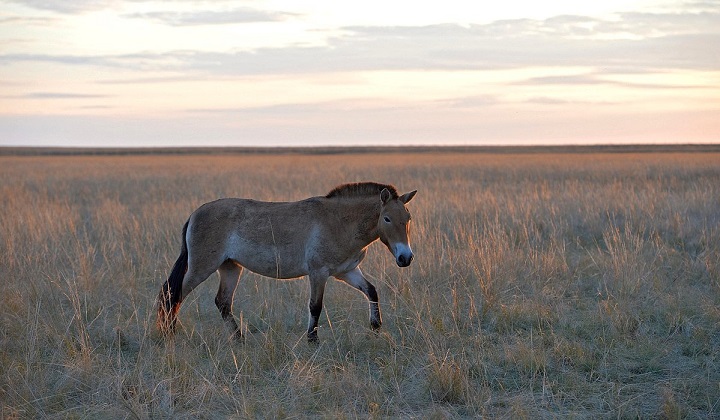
229,278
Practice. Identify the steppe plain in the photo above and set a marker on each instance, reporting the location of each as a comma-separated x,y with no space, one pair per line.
546,284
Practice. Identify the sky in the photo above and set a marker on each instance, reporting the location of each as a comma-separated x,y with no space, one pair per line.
129,73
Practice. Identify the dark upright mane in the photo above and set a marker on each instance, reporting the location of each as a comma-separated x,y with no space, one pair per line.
361,189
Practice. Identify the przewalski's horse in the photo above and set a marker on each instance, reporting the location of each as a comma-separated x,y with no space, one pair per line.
318,237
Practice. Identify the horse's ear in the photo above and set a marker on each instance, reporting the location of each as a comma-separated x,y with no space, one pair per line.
385,195
405,198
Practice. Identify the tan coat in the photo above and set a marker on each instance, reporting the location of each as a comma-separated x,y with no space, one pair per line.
318,237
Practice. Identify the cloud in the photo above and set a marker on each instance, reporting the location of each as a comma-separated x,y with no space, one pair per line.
597,79
137,61
544,100
652,25
477,101
450,47
342,106
148,80
207,17
219,14
66,6
634,42
83,6
573,79
26,20
49,58
61,95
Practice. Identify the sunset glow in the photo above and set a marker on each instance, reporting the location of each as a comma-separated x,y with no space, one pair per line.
227,73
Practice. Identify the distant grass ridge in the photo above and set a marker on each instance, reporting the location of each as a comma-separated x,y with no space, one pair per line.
334,150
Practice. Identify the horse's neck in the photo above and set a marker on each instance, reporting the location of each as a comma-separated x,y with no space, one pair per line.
369,225
364,214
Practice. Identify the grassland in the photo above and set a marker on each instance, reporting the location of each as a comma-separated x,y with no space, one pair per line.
544,285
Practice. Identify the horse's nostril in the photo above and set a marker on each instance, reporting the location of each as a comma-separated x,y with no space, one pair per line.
404,260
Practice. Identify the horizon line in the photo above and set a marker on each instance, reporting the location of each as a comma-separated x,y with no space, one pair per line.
355,149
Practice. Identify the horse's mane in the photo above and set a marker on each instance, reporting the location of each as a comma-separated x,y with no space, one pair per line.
361,189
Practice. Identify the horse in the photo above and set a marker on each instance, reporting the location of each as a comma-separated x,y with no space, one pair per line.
319,237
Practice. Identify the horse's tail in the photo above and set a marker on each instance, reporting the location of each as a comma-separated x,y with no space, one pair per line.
170,295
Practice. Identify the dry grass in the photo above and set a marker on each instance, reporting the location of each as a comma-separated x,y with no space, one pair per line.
544,285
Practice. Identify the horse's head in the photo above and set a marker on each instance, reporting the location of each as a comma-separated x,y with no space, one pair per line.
394,226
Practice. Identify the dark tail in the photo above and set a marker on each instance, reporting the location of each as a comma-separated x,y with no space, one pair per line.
170,295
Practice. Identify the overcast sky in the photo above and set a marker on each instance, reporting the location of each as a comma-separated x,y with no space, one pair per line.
249,73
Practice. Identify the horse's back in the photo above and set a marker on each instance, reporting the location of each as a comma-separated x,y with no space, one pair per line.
269,238
236,212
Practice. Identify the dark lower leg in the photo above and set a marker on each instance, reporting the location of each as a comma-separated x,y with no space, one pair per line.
375,317
229,278
226,313
356,279
315,311
317,289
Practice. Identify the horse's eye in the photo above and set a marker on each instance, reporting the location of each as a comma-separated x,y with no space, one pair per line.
386,219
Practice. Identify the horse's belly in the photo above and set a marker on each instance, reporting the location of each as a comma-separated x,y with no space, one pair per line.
275,269
269,261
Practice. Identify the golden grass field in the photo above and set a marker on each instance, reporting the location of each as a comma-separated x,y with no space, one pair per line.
544,285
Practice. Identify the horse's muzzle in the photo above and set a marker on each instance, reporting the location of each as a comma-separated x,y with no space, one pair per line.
404,260
403,254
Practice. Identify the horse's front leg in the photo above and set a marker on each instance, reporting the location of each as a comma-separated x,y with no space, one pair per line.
317,289
356,279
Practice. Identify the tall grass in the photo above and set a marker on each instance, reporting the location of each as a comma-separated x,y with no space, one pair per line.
544,285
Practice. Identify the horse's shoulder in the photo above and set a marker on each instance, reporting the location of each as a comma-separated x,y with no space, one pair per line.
312,204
